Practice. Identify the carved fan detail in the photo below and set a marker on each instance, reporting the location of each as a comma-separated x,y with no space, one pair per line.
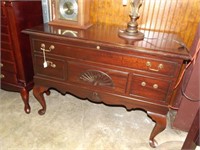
97,78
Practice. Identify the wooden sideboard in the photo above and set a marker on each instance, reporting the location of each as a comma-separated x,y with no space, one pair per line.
96,64
16,60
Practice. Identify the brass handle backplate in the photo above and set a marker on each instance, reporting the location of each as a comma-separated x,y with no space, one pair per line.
49,63
159,67
51,47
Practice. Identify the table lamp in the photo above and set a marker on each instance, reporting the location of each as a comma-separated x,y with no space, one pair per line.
131,32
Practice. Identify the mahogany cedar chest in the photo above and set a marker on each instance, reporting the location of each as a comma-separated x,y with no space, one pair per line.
96,64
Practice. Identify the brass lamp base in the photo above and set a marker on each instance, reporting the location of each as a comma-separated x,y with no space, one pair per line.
132,33
131,36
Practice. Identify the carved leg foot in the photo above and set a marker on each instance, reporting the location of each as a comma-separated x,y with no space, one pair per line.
159,127
25,97
38,93
48,92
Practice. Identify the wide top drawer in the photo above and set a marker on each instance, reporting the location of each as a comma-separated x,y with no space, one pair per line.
98,54
155,43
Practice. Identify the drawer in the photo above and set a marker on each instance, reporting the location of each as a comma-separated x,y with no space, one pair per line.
3,10
6,45
55,68
8,77
98,54
96,77
7,55
8,66
5,38
4,29
150,88
4,21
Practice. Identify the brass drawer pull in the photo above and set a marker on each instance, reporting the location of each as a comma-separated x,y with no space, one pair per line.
98,47
160,66
155,86
1,64
49,63
2,76
143,84
52,47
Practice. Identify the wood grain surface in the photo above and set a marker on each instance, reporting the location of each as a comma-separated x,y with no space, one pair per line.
176,16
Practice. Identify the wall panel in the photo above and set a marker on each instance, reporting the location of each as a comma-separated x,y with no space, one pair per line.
175,16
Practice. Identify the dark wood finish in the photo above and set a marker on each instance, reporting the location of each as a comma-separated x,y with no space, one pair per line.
192,139
38,93
159,127
189,107
96,64
16,60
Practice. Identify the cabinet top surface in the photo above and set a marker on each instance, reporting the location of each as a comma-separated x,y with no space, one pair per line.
156,43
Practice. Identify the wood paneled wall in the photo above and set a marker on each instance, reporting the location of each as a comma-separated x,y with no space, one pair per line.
176,16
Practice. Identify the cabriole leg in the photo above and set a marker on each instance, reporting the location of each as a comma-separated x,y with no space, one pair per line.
38,92
159,127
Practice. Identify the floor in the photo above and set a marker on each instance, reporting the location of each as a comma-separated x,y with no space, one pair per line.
74,124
